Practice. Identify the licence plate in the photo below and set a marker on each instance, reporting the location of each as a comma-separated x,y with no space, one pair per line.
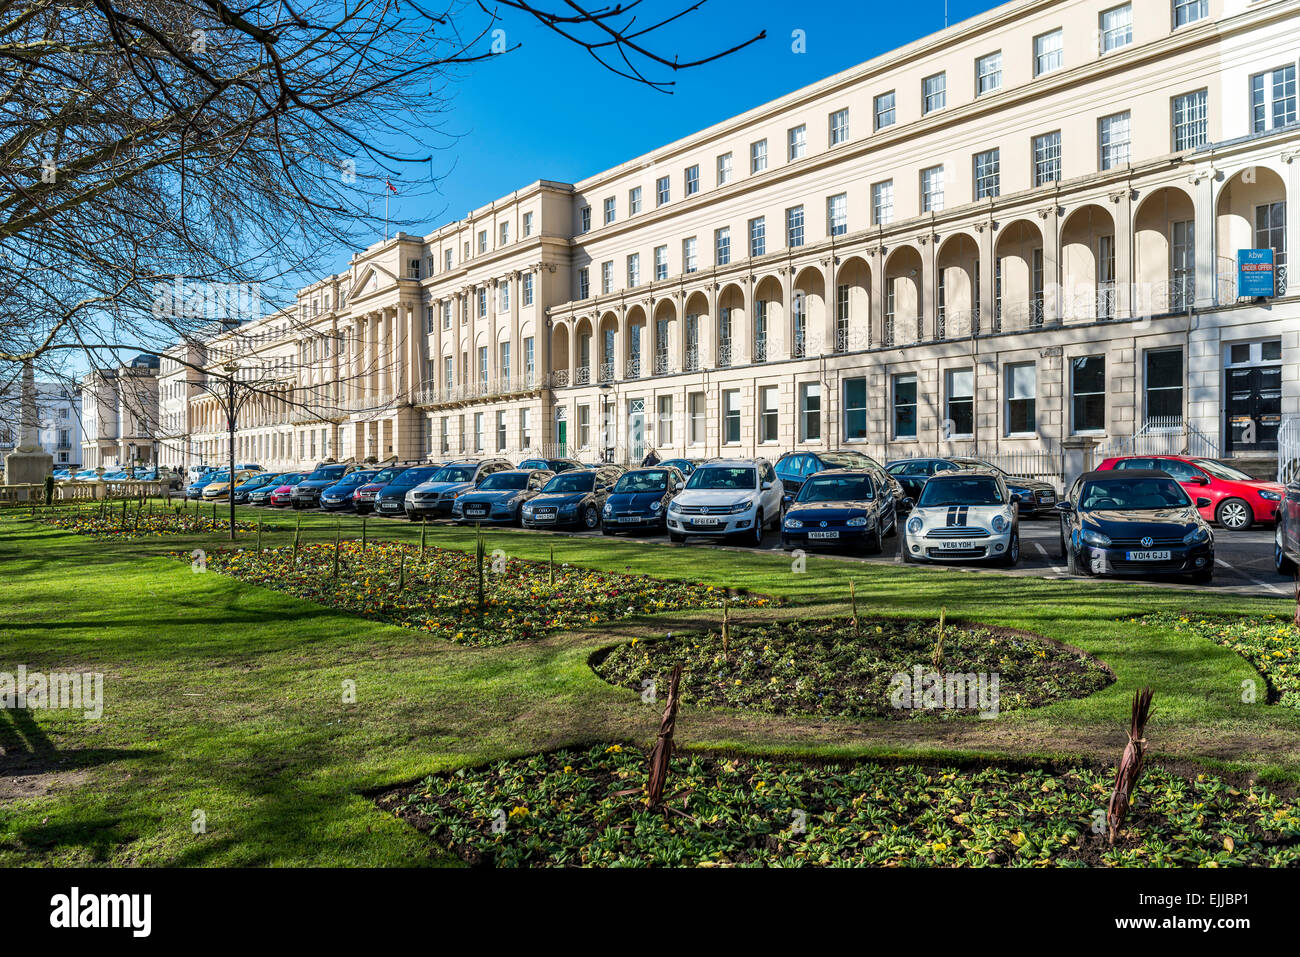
629,518
1147,556
545,516
823,534
957,546
475,510
706,521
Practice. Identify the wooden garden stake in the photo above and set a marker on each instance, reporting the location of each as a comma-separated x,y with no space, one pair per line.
1130,765
662,753
297,533
550,567
478,561
401,573
259,539
363,533
424,524
726,630
338,528
853,602
936,657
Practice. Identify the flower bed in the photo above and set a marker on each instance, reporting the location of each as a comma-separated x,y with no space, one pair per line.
440,593
826,668
156,524
1270,643
566,809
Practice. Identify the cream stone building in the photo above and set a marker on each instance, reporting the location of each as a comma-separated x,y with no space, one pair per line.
119,408
1018,236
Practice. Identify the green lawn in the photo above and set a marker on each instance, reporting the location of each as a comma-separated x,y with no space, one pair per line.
227,698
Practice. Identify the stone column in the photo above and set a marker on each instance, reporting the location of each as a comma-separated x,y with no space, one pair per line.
1122,202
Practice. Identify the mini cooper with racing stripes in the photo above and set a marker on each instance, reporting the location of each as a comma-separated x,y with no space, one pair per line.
964,516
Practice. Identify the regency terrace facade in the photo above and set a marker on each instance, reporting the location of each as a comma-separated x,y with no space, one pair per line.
1011,235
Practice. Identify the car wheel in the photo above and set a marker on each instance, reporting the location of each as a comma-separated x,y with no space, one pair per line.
1235,514
756,539
606,530
1281,561
1071,559
1203,577
873,543
1012,558
676,538
893,523
590,517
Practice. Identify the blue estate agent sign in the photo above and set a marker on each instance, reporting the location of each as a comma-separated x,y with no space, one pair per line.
1254,272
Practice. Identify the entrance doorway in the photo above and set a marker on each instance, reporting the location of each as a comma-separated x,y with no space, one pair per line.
1253,387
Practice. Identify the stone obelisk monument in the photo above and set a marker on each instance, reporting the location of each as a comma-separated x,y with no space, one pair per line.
28,463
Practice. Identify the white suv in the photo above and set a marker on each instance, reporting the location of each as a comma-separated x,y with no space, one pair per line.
727,497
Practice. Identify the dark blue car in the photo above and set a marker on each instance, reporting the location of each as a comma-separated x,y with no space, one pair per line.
838,508
338,497
390,501
640,498
500,498
307,493
574,498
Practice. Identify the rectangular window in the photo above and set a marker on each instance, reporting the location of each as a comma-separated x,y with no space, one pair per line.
905,405
1022,393
758,156
757,236
1088,394
584,219
661,262
959,409
731,417
504,233
482,241
528,289
634,200
584,426
810,412
446,314
695,410
797,140
988,174
1189,11
525,428
884,110
584,283
934,93
839,127
1191,120
837,214
1114,138
501,431
530,359
724,169
1047,158
478,431
1116,28
610,211
1273,98
855,409
768,417
482,364
882,203
988,73
1270,230
1049,52
722,245
1164,386
661,190
932,189
482,302
503,360
692,180
634,270
607,277
446,257
664,429
528,224
690,255
503,296
794,226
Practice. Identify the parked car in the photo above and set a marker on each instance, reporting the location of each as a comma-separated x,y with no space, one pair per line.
912,473
196,472
86,475
1134,522
556,465
261,495
639,499
1286,532
363,498
964,515
392,499
1237,501
728,497
685,466
839,507
257,480
282,495
435,496
1035,495
306,494
195,489
338,497
499,499
794,468
575,497
218,486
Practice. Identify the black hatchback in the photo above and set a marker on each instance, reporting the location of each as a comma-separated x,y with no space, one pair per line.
1135,522
838,508
390,501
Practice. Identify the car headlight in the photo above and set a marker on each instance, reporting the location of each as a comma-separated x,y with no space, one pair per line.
742,507
654,506
793,523
1199,534
857,522
914,525
999,524
1269,496
672,506
1094,538
609,509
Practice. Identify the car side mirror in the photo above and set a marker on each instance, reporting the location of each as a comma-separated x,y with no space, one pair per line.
766,486
1202,502
908,503
679,486
1064,507
1015,497
1200,480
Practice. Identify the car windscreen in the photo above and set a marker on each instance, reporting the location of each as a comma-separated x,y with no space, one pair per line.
387,475
413,477
631,483
845,460
456,473
356,478
979,464
334,472
535,464
1219,470
219,477
977,490
571,482
837,488
723,477
685,466
1132,494
291,478
504,481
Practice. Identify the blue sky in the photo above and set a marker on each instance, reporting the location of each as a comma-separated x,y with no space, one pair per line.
513,126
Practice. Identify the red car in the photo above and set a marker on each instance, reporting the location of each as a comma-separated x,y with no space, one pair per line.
1237,501
280,497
